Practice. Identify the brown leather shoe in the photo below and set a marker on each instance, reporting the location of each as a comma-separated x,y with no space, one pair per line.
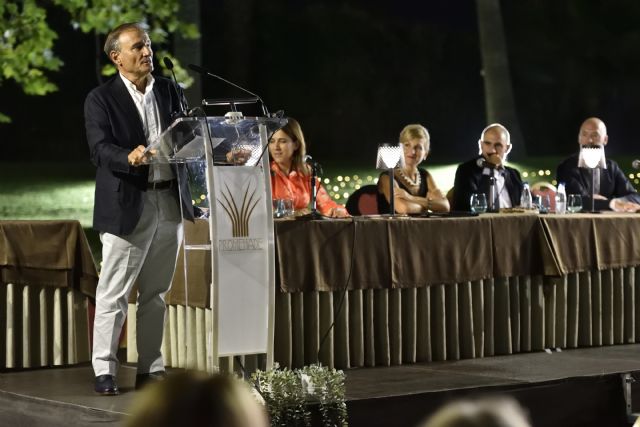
151,377
106,385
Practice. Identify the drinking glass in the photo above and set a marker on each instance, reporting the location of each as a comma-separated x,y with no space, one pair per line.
282,208
287,205
478,203
574,203
542,202
278,208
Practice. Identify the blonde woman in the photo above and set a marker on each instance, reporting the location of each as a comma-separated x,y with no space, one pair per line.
414,189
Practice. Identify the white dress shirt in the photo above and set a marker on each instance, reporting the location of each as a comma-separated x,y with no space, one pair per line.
503,194
501,190
147,107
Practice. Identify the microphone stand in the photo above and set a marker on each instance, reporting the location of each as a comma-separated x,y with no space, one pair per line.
314,214
256,98
492,192
314,190
184,105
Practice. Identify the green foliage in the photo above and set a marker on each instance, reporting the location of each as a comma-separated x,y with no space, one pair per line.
287,394
283,394
327,386
26,43
26,40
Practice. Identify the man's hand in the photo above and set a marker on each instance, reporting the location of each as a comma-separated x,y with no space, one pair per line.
494,159
619,205
238,156
137,156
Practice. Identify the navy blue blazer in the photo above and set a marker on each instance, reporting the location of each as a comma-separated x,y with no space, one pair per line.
469,180
114,129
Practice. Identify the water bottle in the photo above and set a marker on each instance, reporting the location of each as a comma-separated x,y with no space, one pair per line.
525,199
561,199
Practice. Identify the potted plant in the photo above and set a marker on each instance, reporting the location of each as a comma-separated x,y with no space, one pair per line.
290,395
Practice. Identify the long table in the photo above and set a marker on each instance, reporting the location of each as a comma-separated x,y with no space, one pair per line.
396,290
370,291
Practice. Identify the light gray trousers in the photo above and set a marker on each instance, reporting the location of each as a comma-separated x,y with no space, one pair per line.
147,257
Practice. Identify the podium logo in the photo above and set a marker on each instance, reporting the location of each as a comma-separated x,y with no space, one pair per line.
239,212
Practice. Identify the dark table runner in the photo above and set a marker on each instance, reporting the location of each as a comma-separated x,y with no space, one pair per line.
47,253
415,252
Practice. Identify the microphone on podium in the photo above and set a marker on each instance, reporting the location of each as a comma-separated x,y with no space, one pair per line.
184,106
205,72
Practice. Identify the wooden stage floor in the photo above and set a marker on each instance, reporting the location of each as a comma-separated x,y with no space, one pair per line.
580,387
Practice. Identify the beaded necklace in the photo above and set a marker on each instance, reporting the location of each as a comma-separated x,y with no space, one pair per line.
413,186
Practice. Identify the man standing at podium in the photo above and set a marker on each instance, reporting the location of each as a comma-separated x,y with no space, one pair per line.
136,206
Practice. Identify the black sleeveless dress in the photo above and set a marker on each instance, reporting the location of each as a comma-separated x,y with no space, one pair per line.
383,205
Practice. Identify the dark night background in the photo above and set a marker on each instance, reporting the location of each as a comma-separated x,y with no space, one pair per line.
354,73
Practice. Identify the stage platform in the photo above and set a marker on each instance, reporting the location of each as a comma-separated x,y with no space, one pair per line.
581,387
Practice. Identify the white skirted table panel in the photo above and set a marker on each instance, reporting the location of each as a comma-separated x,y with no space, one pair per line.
43,326
445,322
458,321
187,342
492,285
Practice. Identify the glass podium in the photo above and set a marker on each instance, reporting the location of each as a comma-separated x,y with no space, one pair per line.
223,174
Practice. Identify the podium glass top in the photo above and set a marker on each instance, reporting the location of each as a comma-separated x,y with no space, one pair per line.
184,140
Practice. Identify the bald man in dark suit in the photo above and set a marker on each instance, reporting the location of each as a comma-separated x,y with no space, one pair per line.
610,183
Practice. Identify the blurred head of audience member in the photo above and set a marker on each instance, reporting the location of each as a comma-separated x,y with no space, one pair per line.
193,399
484,412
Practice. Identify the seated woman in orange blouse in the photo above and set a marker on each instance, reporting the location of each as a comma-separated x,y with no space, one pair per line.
414,189
291,177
